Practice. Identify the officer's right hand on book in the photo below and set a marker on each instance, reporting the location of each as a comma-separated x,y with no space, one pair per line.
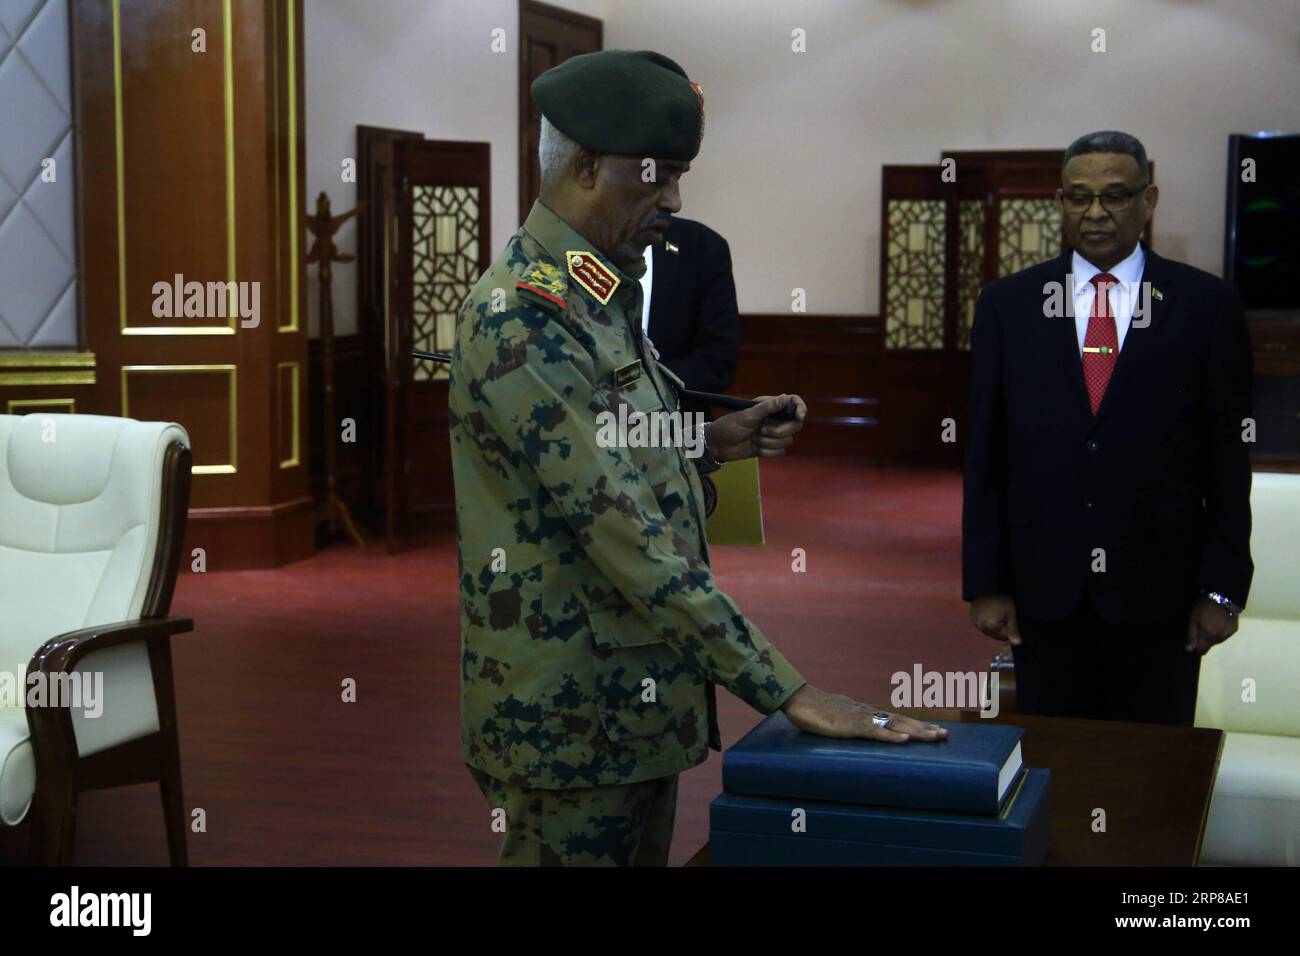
995,615
834,715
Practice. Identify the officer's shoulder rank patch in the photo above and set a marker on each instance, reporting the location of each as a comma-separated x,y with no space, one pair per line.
544,284
588,272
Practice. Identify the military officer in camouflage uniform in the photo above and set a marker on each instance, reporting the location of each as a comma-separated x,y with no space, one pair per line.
593,631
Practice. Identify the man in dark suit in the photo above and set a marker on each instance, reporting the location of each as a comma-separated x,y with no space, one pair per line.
1106,519
690,307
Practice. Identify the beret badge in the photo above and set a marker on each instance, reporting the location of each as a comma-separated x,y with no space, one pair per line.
699,95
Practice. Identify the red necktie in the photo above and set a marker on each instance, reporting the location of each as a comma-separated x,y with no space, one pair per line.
1101,341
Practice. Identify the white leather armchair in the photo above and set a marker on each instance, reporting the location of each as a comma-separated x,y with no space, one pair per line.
1250,688
92,513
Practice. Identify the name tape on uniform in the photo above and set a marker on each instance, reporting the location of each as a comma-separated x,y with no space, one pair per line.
627,374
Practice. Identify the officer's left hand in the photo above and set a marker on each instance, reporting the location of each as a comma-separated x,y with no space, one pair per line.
749,432
1207,625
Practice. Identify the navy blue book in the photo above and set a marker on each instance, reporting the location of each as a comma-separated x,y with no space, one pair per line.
970,772
757,831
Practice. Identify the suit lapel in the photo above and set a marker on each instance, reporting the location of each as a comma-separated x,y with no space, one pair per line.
1067,341
1139,342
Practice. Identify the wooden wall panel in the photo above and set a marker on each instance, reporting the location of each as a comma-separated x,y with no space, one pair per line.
832,361
202,399
174,161
193,164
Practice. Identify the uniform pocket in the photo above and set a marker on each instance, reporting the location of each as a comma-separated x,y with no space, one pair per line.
630,665
619,626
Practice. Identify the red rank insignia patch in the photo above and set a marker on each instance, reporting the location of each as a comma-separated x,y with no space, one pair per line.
525,287
588,272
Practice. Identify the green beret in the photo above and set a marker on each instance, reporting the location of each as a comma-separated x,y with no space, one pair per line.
624,102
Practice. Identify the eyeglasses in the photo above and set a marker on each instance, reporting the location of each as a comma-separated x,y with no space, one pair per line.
1112,200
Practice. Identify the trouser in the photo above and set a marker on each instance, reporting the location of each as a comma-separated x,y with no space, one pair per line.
1084,667
627,825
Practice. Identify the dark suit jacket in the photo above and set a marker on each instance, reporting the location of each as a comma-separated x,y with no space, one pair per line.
1159,479
693,318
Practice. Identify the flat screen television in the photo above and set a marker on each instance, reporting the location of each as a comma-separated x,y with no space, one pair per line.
1261,253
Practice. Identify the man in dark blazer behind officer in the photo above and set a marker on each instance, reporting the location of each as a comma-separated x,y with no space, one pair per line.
690,310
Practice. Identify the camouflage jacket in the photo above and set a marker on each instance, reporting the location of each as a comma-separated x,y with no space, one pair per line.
592,630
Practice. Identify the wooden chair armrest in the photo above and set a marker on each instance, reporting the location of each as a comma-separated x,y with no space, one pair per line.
61,654
51,726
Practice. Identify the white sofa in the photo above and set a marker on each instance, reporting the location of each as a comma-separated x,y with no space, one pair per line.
1255,812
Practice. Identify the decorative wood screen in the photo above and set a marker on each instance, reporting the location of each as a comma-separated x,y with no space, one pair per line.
445,265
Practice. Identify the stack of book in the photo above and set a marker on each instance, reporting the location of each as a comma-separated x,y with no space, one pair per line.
796,799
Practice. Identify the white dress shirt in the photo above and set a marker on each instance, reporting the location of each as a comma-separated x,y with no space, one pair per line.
1122,297
645,289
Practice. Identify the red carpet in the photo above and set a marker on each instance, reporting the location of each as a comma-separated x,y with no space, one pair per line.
287,773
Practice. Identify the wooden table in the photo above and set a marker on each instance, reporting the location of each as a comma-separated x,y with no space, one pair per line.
1153,781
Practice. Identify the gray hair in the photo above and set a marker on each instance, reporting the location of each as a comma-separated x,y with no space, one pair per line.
1110,141
555,150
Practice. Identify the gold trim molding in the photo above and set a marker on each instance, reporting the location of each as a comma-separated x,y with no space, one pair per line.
294,385
26,359
295,226
13,403
47,378
228,97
